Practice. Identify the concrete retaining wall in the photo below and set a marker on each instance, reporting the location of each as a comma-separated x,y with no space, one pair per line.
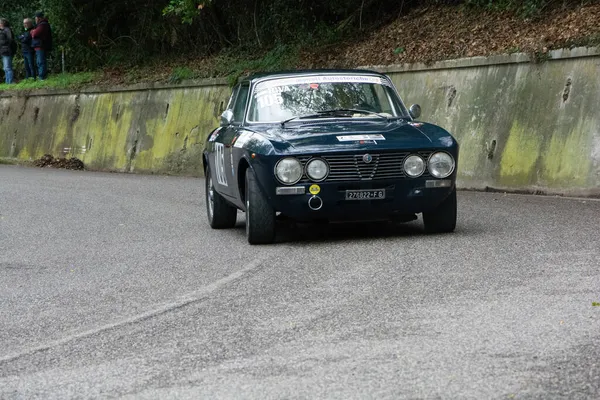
522,126
152,129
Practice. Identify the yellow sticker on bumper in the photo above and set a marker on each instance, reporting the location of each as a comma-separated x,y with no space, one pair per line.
315,189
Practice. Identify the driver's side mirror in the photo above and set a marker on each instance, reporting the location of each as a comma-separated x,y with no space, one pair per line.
226,118
415,111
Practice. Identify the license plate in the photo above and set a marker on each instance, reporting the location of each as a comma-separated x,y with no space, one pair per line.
365,194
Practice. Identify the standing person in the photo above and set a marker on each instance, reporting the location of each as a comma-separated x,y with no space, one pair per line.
27,50
7,49
42,43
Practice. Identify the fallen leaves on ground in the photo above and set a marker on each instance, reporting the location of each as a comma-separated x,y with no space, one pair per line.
49,161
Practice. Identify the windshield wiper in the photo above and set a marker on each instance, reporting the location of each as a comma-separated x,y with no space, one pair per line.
327,113
353,110
307,116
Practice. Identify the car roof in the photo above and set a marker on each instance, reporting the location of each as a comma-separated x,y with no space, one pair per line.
292,73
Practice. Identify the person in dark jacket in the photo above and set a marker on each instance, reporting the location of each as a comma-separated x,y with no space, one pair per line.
26,49
7,50
41,37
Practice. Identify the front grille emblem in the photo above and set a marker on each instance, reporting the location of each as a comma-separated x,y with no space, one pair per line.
367,159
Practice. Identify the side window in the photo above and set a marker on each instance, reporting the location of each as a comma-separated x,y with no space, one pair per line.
240,104
232,98
383,99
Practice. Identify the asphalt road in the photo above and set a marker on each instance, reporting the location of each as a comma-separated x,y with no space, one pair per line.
114,286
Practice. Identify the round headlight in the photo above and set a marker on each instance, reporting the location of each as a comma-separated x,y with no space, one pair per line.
441,165
288,171
414,166
317,169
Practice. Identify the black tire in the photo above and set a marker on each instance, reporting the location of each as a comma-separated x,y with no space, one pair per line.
260,216
221,214
443,218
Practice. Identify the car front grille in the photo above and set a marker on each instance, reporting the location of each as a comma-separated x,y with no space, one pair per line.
352,167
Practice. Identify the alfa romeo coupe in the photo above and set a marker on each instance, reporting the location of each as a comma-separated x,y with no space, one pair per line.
327,145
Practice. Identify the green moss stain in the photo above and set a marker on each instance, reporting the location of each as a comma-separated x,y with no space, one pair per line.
567,161
471,148
24,154
178,137
518,164
166,133
110,125
115,144
61,130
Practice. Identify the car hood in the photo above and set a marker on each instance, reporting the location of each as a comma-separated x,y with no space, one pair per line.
342,136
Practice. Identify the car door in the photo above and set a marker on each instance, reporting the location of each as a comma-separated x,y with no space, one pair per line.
224,156
217,150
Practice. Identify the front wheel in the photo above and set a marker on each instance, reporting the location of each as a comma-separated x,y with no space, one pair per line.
260,216
443,218
221,215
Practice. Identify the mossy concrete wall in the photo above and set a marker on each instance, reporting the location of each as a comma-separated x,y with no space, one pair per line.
522,126
152,129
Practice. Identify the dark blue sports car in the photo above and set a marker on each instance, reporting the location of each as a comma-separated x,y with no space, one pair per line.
327,145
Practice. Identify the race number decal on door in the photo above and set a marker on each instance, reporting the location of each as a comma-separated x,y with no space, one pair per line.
220,163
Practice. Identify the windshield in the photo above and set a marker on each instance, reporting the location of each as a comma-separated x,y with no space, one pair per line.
283,99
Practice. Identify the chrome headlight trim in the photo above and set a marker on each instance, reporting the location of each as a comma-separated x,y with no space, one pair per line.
328,169
442,176
424,164
296,179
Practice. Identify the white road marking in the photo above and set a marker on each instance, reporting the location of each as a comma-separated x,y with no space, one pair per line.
184,300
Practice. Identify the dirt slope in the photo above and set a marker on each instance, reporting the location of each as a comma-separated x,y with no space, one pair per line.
437,33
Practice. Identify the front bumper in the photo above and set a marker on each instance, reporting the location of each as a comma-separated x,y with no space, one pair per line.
403,197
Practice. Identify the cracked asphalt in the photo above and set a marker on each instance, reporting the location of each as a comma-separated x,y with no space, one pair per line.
114,286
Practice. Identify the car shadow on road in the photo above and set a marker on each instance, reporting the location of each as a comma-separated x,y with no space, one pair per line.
354,231
289,232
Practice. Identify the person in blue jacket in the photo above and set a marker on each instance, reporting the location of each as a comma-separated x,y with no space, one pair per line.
27,50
